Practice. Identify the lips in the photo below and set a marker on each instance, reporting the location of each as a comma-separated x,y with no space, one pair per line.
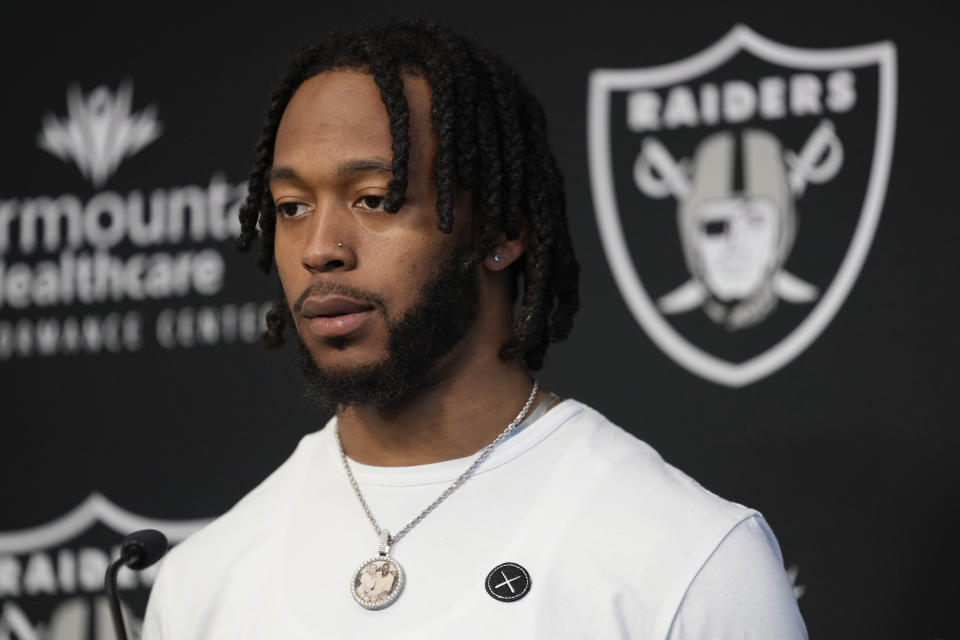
332,306
335,316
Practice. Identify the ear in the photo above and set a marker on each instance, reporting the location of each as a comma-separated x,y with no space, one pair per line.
505,252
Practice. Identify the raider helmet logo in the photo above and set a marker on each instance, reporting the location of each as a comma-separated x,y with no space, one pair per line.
737,193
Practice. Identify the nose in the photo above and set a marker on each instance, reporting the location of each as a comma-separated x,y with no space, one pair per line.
330,245
734,236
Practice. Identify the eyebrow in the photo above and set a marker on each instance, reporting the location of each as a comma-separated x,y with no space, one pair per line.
365,165
280,174
344,169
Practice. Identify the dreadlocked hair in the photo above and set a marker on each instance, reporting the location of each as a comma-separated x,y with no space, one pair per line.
491,137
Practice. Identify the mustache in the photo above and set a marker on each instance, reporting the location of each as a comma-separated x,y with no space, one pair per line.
321,289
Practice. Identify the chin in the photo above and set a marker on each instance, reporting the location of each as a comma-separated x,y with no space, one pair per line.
350,383
343,354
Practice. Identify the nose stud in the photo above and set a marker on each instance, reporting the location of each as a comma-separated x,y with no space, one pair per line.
340,245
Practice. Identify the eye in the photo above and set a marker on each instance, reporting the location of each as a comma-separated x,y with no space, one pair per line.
371,203
292,209
756,219
714,227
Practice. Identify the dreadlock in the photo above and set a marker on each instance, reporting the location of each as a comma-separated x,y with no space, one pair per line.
491,141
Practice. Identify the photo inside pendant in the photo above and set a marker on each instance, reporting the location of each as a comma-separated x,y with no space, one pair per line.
376,581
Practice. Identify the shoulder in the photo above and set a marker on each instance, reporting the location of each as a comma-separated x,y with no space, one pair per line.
203,562
639,516
628,472
246,522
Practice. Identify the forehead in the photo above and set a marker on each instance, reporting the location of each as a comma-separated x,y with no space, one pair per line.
337,115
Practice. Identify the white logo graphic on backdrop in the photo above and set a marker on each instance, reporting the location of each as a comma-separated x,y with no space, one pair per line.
735,240
735,195
47,569
793,572
75,267
99,131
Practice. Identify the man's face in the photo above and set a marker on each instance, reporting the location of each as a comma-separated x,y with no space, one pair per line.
736,244
353,274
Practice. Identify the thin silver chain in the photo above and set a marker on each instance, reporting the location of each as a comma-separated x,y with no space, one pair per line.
391,539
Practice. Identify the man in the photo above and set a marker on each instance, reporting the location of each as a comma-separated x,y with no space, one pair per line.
737,224
405,191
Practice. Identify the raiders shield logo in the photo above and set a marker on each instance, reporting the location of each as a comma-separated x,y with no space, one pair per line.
51,576
737,193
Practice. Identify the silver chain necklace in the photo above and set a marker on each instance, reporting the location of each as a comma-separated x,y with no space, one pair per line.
379,581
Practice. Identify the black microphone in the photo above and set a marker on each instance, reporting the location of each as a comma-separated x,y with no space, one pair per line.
138,551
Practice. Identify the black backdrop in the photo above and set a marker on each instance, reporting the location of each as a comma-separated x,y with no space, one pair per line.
846,449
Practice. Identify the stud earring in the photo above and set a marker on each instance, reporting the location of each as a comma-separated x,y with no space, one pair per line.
497,257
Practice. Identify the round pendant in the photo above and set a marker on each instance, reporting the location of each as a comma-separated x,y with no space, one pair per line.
378,582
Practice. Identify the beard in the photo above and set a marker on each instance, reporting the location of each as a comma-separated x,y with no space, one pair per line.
443,311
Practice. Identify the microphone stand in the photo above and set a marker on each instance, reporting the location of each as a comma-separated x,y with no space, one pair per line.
138,551
114,598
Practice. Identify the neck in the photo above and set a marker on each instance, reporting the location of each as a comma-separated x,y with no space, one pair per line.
456,413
